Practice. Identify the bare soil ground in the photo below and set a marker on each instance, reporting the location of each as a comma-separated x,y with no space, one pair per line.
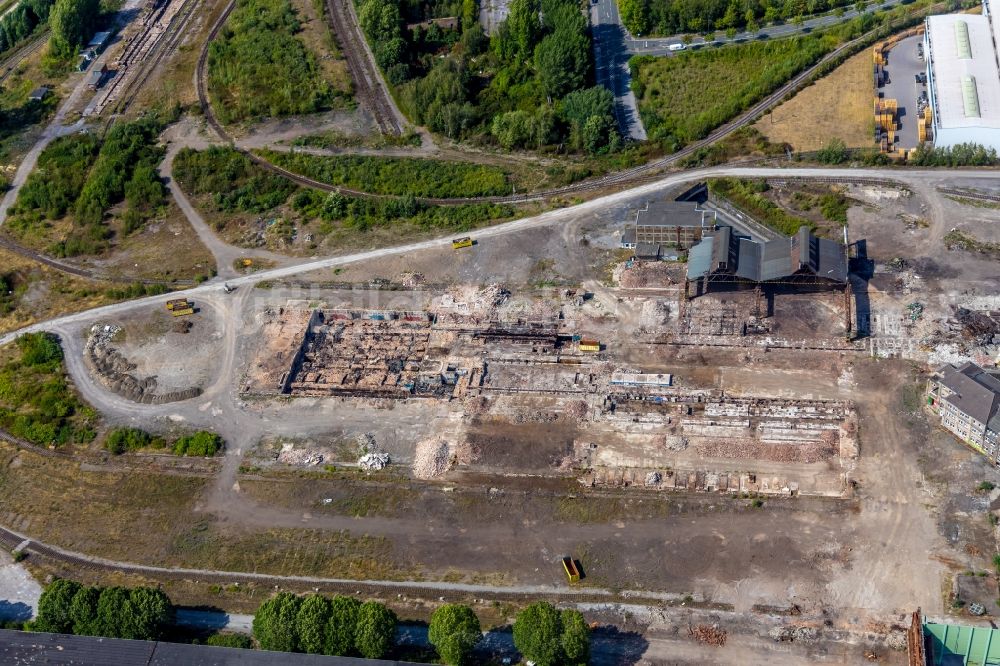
838,106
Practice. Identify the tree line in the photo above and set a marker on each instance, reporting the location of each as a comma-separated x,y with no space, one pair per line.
669,17
200,443
67,607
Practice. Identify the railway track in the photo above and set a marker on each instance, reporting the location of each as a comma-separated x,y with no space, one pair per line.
969,194
367,79
349,34
145,52
10,63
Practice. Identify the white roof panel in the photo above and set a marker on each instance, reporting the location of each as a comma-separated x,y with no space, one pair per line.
964,70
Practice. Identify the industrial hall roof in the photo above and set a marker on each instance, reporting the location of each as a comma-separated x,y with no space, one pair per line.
974,392
725,253
19,648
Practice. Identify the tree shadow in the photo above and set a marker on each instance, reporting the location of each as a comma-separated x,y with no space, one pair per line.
16,611
611,645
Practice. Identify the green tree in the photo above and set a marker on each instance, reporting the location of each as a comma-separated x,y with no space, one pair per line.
147,614
575,638
538,634
515,41
470,14
111,608
54,607
561,60
376,630
72,23
634,15
512,129
275,623
201,443
313,621
342,625
83,611
580,105
454,632
599,133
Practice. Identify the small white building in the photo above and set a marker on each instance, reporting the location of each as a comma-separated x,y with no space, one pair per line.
963,78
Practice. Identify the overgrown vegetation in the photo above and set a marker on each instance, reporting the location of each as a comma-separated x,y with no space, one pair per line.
959,240
510,88
748,195
669,17
201,443
397,175
258,67
37,402
22,22
236,185
73,23
342,626
140,613
82,177
682,98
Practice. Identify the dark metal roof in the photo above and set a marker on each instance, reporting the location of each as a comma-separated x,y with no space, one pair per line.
673,214
647,250
976,392
723,251
19,648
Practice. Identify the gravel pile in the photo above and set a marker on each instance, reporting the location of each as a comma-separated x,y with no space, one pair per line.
432,458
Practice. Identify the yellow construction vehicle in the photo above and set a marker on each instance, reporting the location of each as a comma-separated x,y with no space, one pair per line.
179,307
459,243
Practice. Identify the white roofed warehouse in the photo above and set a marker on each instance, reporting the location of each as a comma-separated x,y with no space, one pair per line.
963,78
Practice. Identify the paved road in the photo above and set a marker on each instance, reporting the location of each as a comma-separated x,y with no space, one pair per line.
611,56
614,46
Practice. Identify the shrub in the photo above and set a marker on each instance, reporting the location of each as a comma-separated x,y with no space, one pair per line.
140,613
201,443
376,630
121,440
549,638
454,632
241,641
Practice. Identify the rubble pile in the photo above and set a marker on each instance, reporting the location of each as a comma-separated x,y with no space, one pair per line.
708,634
373,461
432,458
289,455
116,371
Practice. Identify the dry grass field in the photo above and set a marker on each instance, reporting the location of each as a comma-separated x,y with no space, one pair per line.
40,292
837,106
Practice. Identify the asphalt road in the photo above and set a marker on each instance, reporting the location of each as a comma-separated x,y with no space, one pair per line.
614,46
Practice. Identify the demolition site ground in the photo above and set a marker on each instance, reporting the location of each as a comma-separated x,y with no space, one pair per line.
746,451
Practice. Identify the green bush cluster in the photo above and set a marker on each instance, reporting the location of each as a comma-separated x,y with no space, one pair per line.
241,641
363,214
22,21
201,443
315,624
84,176
140,613
748,195
36,400
135,290
682,98
258,67
121,440
397,175
235,183
965,154
550,637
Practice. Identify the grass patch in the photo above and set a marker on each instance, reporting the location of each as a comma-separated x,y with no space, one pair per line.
37,400
258,67
682,98
975,203
748,195
335,139
397,175
959,240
